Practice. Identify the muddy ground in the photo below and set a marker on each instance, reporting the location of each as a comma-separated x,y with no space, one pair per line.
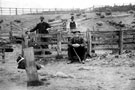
113,72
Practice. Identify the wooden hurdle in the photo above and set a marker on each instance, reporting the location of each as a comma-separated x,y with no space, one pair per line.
112,40
2,54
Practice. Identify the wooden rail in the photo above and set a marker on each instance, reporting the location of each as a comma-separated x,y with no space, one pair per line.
114,39
96,40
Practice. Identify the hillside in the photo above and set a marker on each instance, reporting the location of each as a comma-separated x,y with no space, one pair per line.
105,72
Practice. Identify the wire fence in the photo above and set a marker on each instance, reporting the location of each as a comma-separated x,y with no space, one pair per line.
21,11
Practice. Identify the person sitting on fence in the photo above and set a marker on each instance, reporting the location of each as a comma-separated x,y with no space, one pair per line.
42,28
76,48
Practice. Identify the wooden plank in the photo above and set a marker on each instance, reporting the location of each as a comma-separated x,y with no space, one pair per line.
59,42
129,42
105,35
129,48
129,32
121,42
112,46
44,35
44,56
129,36
109,40
105,48
5,47
68,35
31,69
89,45
55,22
46,43
2,35
36,50
105,32
104,43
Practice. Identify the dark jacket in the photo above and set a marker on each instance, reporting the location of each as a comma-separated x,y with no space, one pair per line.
79,50
41,28
72,25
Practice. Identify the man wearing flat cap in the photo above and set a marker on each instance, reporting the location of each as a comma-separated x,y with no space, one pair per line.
76,48
42,28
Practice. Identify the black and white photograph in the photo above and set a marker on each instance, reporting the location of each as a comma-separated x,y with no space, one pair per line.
67,45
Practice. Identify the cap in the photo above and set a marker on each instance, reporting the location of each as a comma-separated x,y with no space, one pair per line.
41,17
72,17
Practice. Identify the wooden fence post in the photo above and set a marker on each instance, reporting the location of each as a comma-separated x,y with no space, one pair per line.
3,55
10,11
25,43
30,10
16,12
1,10
31,69
59,42
89,45
120,41
11,32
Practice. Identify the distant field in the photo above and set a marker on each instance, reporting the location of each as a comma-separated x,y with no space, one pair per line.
29,21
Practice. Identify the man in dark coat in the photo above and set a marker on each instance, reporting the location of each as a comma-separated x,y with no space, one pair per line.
76,48
42,28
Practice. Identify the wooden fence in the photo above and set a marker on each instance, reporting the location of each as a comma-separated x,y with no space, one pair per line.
16,32
96,40
112,40
58,43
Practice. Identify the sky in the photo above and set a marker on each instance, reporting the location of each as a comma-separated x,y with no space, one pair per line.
61,3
